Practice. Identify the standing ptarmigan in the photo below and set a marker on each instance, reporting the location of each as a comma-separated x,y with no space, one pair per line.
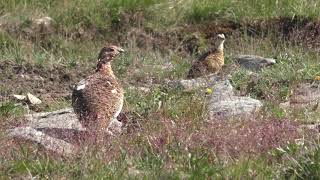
98,99
209,62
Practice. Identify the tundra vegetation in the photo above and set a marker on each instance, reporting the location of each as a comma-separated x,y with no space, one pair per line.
168,135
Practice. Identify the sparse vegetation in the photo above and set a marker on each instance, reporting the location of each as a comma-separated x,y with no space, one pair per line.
170,138
248,9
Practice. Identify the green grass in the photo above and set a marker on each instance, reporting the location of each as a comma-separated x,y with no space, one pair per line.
10,109
73,16
150,165
172,104
305,166
158,148
175,105
237,10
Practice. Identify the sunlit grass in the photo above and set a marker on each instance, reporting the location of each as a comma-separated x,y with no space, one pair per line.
237,10
161,146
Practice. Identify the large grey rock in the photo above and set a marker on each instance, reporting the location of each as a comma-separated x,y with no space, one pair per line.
235,106
224,104
222,90
253,62
56,122
48,142
61,119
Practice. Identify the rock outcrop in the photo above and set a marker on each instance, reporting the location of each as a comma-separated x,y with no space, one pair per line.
51,130
253,62
224,104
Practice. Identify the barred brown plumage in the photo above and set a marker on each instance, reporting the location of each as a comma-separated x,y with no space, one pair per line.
209,62
98,99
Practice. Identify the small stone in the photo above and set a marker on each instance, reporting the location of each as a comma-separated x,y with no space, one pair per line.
33,99
253,62
42,25
46,21
38,78
25,76
19,97
134,172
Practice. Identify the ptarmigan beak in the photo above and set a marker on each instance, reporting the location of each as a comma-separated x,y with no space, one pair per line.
120,50
221,36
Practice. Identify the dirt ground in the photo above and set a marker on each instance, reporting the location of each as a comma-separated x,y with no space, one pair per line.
48,83
56,82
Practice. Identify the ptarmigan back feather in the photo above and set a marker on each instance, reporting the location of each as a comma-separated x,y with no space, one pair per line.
209,62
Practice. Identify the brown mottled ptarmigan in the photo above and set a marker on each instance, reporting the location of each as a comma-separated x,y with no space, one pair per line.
209,62
97,100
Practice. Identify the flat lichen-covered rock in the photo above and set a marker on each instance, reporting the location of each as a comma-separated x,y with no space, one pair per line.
57,131
224,104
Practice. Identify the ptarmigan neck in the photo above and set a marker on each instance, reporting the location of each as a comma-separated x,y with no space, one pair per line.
106,69
220,47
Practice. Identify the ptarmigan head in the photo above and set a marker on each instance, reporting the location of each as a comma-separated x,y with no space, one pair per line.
107,54
220,38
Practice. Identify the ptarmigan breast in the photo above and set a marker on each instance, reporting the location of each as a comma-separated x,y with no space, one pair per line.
97,95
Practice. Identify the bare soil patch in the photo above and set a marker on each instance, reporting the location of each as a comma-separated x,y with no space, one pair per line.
45,82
